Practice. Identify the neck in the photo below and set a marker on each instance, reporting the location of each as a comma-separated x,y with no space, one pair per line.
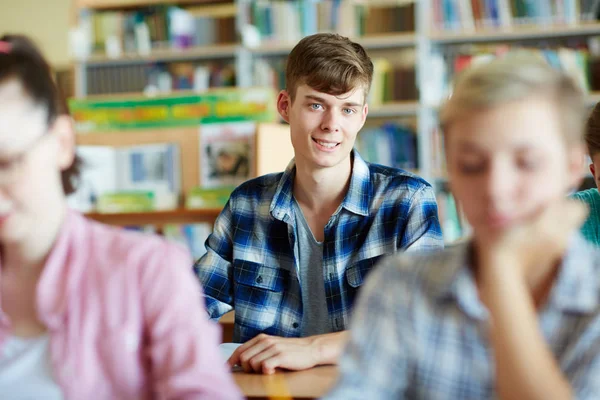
29,254
324,188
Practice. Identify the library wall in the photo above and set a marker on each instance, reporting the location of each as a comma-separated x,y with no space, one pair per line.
48,25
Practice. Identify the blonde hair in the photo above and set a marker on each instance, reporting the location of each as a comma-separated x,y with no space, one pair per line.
516,76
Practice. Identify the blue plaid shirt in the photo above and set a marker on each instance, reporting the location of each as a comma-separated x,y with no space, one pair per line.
251,265
419,330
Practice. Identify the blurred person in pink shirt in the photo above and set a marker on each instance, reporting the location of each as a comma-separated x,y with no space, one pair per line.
87,311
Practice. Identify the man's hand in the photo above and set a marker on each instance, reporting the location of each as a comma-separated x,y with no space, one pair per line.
539,241
265,353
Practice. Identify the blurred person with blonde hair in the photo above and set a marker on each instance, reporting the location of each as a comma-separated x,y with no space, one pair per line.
513,313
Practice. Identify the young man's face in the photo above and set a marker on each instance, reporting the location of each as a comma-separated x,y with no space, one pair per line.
323,127
508,162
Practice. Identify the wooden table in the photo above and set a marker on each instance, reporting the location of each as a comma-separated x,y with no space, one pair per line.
313,383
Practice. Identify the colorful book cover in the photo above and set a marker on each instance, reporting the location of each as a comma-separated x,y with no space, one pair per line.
226,154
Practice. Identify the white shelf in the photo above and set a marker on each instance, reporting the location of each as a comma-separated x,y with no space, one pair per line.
515,33
167,54
369,42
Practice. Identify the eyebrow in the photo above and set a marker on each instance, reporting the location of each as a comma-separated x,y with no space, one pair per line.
322,100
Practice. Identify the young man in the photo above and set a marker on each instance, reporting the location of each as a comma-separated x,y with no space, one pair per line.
591,227
514,313
290,250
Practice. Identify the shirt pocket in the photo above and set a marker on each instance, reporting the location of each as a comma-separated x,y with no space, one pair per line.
356,275
258,292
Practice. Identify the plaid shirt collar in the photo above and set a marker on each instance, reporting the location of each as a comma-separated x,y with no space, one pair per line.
575,289
355,201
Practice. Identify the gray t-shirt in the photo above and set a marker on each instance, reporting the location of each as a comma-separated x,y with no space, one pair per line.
315,319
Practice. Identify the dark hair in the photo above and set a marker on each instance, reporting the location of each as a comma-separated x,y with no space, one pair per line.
329,63
592,131
21,60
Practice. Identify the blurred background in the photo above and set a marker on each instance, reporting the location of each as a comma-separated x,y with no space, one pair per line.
173,101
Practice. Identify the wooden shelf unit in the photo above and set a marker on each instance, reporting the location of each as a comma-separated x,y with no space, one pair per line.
157,218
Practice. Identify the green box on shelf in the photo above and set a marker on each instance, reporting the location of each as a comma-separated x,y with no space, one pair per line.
126,202
208,198
219,105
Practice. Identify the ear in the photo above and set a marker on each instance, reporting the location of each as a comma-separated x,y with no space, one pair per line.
593,170
284,103
365,112
64,132
575,166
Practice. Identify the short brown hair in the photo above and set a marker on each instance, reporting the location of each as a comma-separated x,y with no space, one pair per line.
328,63
592,131
517,76
25,63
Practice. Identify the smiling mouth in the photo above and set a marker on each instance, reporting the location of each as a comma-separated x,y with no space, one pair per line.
328,145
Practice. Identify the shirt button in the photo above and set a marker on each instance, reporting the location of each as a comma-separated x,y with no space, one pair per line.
295,325
259,279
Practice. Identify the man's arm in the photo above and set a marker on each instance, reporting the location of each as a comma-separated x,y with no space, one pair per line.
525,366
422,229
182,343
508,275
265,353
214,269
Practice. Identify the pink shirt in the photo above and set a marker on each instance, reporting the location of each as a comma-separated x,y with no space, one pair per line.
126,318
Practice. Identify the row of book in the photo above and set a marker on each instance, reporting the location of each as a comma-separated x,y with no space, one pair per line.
289,21
452,219
469,15
391,144
148,177
445,66
142,30
390,82
159,77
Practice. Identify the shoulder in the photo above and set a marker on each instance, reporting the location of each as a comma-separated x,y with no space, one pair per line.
115,248
396,180
410,278
257,189
588,196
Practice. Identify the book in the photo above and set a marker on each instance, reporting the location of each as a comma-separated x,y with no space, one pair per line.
192,236
199,197
226,153
148,176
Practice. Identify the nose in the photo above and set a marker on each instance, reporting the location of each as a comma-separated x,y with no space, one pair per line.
330,122
500,183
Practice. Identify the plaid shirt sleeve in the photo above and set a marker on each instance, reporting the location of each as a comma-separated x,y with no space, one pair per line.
375,363
214,269
423,231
